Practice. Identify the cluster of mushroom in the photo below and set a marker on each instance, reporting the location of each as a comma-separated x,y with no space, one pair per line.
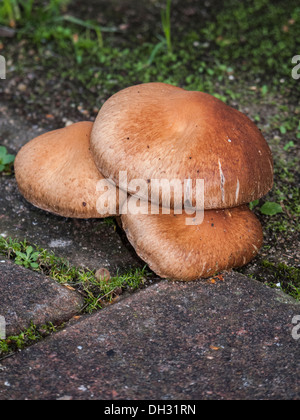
159,132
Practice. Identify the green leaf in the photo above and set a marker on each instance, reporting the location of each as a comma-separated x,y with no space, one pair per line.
253,204
282,129
6,160
21,255
3,151
270,208
29,250
35,256
18,262
155,51
34,265
264,90
288,146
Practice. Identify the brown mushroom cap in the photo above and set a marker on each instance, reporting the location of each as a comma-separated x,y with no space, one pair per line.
158,131
56,172
226,239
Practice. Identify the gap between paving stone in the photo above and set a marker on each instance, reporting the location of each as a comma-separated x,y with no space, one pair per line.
27,297
188,341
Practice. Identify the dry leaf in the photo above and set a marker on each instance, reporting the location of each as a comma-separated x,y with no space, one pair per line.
214,348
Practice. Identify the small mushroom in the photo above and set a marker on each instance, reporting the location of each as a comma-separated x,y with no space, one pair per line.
56,172
103,275
226,239
158,131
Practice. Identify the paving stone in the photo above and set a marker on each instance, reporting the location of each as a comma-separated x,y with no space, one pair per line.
15,131
230,340
26,296
88,243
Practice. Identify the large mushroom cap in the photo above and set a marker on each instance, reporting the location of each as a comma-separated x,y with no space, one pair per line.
158,131
56,172
226,239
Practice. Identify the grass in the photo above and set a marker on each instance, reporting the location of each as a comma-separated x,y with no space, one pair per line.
240,38
20,12
219,55
98,292
166,24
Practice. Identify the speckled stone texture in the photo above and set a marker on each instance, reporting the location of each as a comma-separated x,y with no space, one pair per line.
27,297
229,340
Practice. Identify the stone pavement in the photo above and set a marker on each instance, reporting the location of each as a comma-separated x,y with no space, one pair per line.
230,340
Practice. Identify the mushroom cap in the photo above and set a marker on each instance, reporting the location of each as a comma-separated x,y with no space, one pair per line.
226,239
158,131
56,172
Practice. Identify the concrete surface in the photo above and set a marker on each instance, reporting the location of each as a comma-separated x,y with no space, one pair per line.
229,340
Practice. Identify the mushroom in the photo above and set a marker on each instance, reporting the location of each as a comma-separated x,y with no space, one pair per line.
158,131
56,172
226,239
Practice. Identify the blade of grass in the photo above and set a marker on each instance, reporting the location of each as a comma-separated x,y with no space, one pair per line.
166,23
88,25
155,51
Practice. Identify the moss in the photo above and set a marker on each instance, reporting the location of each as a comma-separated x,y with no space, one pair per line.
283,276
26,338
97,292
